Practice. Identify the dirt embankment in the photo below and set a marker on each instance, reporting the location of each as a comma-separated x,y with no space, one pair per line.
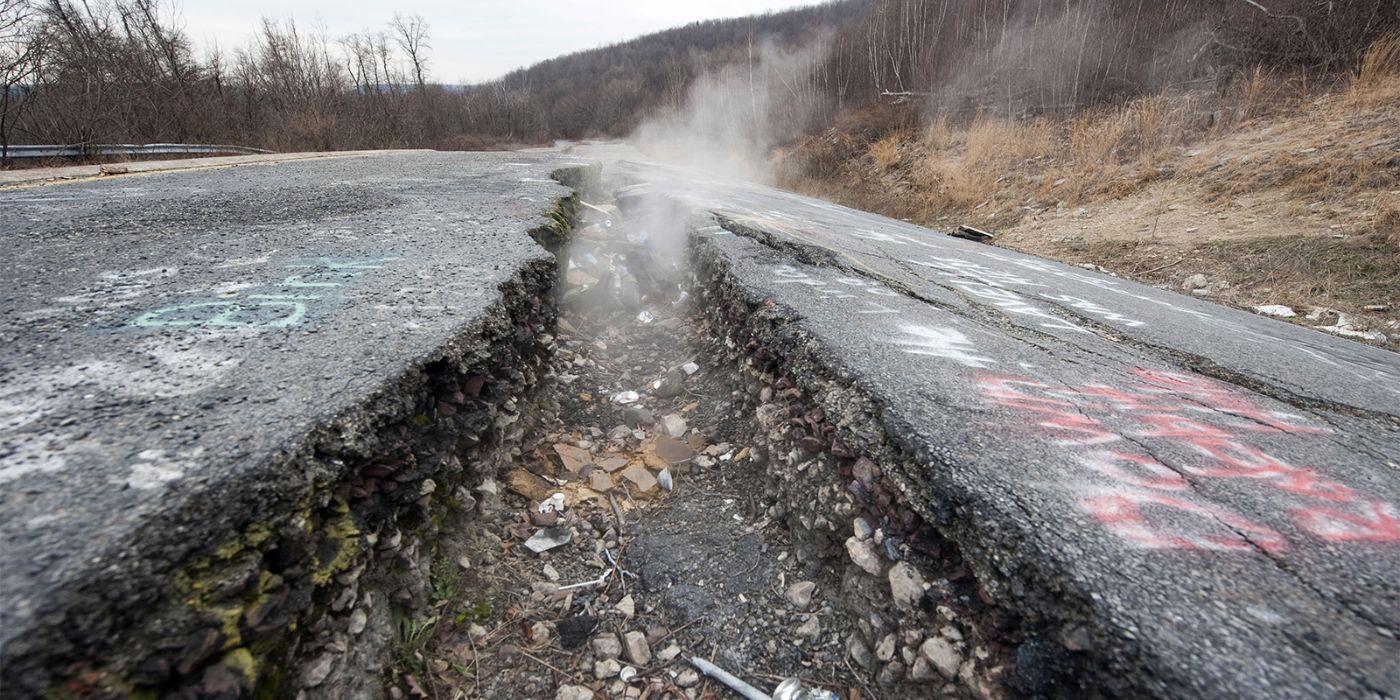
1272,193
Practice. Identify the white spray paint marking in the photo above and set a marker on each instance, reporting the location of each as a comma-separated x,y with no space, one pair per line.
156,468
947,343
34,454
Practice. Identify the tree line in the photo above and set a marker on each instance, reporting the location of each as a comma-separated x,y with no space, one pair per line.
85,72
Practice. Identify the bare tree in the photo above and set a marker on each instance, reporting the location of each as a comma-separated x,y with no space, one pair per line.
411,34
21,51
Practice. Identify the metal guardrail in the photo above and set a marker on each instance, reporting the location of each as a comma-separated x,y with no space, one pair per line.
127,149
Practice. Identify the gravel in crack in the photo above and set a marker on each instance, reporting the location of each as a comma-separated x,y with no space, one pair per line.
608,588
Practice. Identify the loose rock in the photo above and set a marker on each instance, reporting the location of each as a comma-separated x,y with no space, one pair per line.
906,585
606,646
800,594
943,655
862,552
636,648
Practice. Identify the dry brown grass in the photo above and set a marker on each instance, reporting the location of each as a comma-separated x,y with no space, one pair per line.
885,152
1378,78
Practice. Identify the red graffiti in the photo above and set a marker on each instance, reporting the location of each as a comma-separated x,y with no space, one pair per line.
1124,515
1175,408
1376,522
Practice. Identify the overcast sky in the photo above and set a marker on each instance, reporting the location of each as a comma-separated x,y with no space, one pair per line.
472,40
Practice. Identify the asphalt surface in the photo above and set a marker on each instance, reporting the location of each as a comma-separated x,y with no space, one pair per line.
168,337
1214,491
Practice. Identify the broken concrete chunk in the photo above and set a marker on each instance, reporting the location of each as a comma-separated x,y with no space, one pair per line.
600,480
639,475
573,458
612,464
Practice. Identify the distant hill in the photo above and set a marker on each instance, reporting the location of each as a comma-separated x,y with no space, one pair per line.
606,91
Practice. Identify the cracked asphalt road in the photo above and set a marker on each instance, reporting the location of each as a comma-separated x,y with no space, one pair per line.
170,338
1214,493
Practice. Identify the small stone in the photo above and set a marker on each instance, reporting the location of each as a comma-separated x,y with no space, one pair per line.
477,632
626,606
358,620
862,552
672,384
688,678
674,426
668,654
574,692
922,670
890,674
636,649
1196,281
906,585
606,646
859,653
810,629
862,529
638,417
943,655
800,594
317,672
550,572
1076,638
884,651
539,633
607,668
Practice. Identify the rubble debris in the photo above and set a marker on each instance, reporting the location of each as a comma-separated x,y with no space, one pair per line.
548,538
1275,310
573,458
626,397
971,234
637,474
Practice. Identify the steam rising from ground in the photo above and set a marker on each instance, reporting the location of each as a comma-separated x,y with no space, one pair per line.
731,119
